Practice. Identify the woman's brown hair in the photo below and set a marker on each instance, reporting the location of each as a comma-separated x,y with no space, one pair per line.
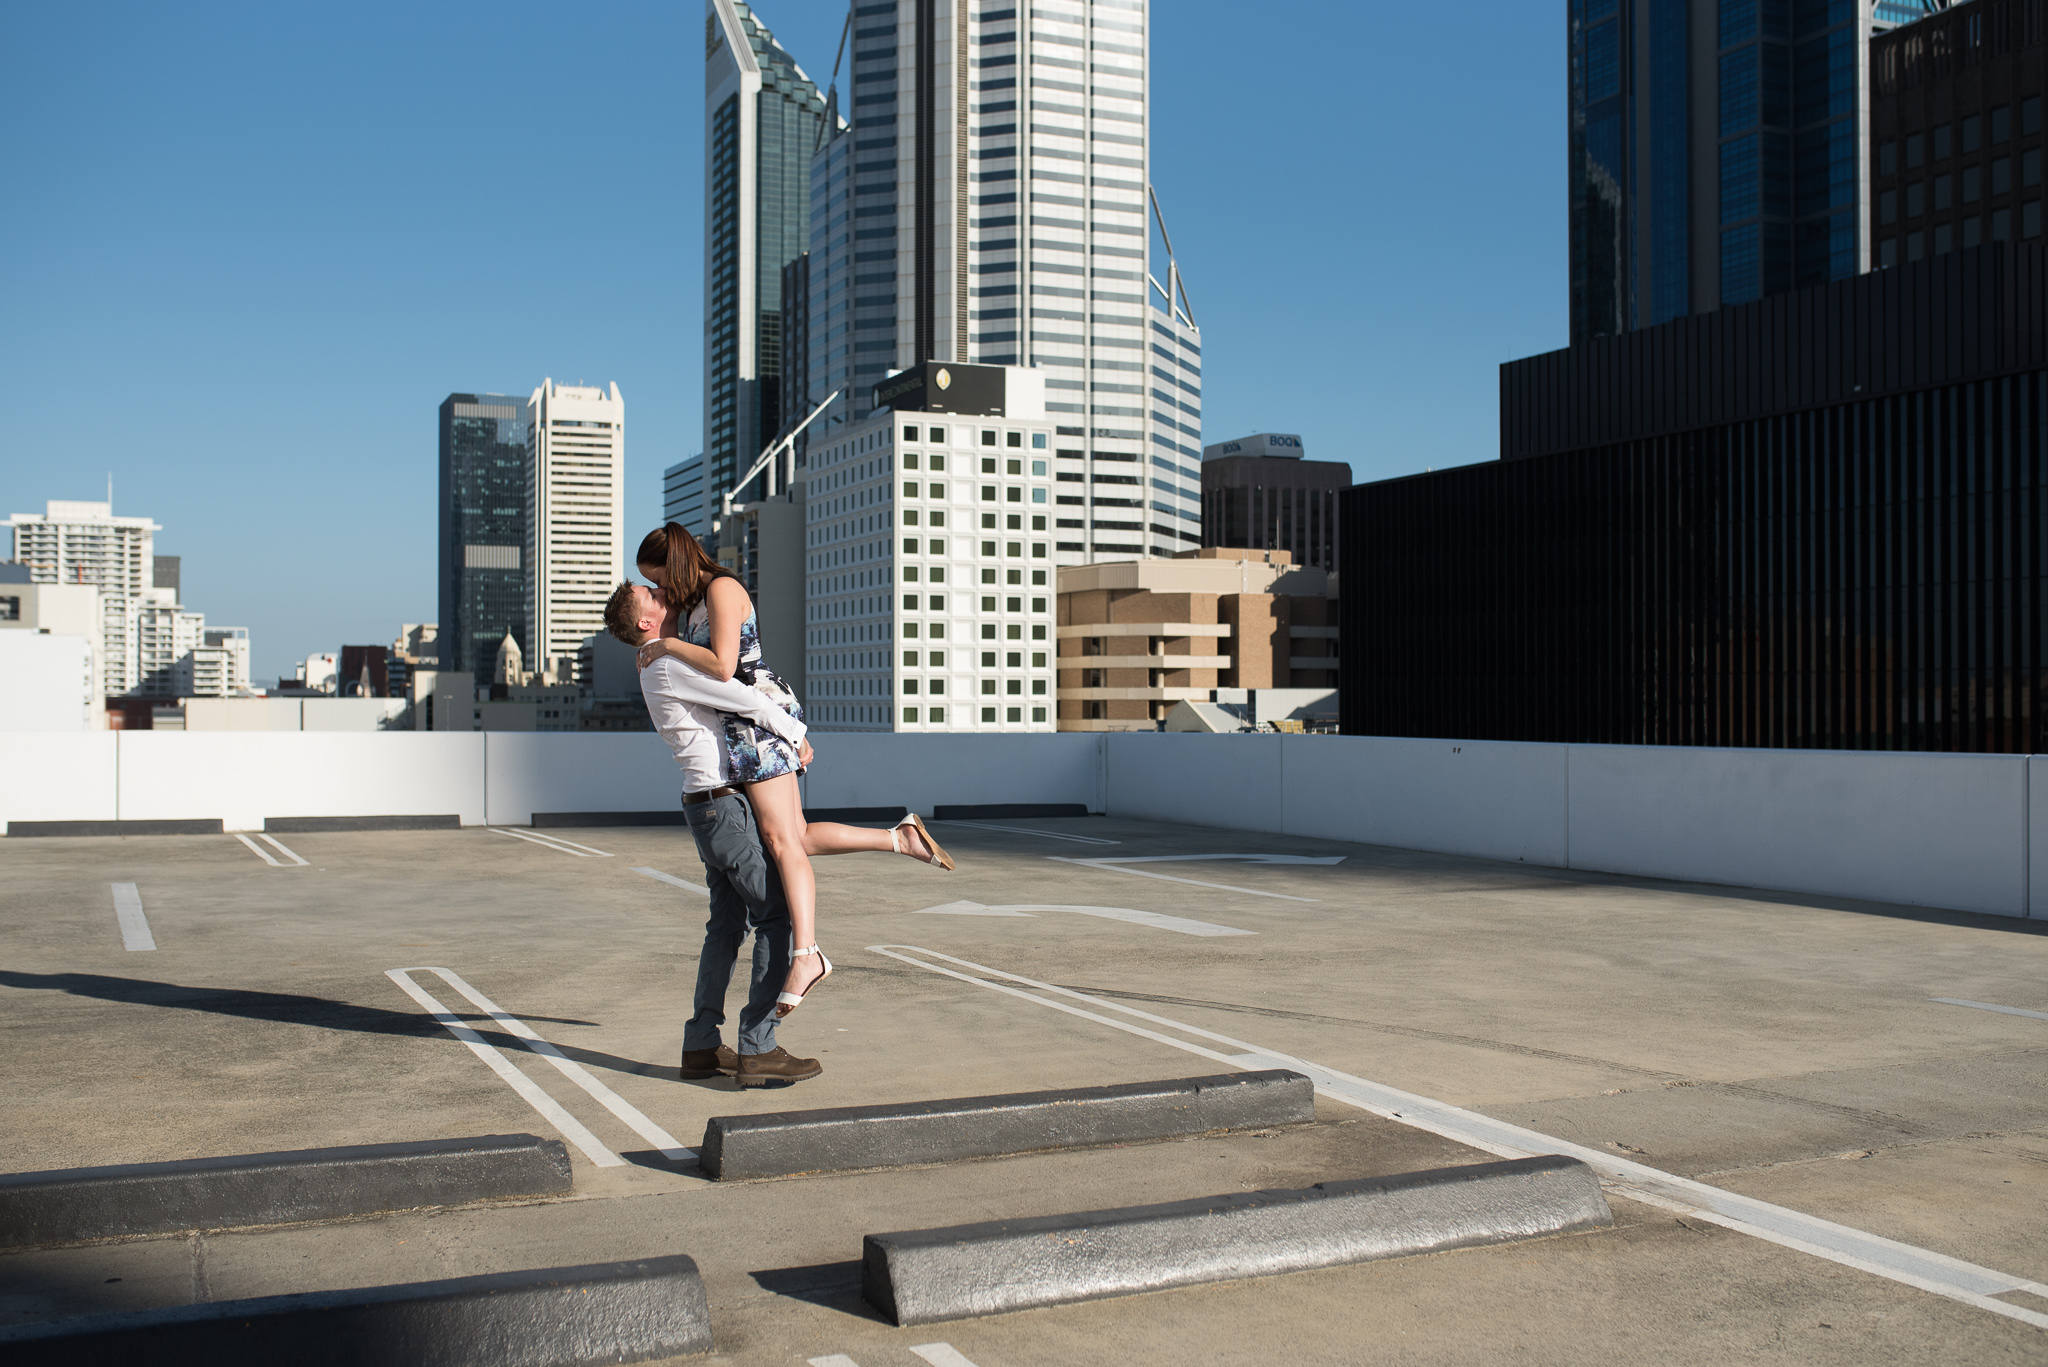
686,571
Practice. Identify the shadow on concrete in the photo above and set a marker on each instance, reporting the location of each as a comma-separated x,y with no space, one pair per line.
661,1162
834,1285
321,1013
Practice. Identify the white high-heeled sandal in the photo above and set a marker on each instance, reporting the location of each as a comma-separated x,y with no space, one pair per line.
792,1000
939,855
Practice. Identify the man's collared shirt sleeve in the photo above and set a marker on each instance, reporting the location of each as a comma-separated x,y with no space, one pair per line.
675,679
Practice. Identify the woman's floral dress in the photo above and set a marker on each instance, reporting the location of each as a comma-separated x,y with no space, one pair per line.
755,753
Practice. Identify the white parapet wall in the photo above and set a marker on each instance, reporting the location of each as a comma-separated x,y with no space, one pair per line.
1958,832
244,777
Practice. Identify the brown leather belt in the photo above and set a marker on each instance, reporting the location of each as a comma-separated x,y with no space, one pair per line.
692,799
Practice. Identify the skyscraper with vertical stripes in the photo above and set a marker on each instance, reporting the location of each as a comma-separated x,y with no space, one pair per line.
987,198
761,125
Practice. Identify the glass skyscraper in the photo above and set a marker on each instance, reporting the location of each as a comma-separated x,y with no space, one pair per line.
762,117
483,529
1717,151
988,200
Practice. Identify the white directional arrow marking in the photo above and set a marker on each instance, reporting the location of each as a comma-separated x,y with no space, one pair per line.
1137,918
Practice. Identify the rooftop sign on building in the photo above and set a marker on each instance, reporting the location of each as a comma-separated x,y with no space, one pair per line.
945,387
1284,446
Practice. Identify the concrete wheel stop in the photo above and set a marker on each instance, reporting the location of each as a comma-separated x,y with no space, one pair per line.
553,1317
72,1205
926,1276
848,1138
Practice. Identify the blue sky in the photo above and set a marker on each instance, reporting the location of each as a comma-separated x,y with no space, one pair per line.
249,249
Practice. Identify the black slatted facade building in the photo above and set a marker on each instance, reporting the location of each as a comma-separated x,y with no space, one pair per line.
1817,521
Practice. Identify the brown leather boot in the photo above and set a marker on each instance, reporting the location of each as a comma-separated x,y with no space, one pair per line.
777,1065
703,1063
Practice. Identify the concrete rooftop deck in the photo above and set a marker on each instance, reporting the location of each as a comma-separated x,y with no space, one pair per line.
1781,1047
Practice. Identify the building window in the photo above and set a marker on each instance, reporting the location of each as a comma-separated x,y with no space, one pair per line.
1038,714
938,715
909,686
2001,225
1916,199
2001,124
938,603
988,686
1973,184
910,659
2030,114
1916,246
1941,142
910,434
1888,207
1038,438
935,686
1973,231
1015,713
988,714
1943,185
1916,148
1944,238
988,438
1973,133
2030,167
1888,159
910,714
2001,176
2030,218
935,435
1038,688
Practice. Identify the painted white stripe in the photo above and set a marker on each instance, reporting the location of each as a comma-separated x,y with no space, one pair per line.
1026,830
1154,919
1987,1006
261,853
668,1144
570,844
1918,1267
552,843
674,881
1318,859
832,1360
942,1355
1108,867
550,1109
278,845
134,925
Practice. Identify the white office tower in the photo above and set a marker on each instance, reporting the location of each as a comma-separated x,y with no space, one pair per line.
575,516
84,543
929,557
990,201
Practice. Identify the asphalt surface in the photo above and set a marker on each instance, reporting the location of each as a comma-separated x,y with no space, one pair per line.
1783,1048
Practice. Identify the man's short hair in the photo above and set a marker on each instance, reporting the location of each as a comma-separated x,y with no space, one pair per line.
622,616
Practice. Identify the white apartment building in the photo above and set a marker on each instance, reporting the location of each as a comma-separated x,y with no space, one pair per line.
74,542
990,201
575,516
929,557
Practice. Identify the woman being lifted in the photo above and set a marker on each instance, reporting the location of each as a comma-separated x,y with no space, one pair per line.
721,637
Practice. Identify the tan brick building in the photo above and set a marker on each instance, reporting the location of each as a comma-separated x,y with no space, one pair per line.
1138,636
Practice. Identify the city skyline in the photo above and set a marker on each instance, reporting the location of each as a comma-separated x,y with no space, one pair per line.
328,258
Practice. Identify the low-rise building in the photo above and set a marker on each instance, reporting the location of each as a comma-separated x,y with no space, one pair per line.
1136,637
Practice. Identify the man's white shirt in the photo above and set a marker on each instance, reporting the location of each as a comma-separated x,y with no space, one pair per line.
685,702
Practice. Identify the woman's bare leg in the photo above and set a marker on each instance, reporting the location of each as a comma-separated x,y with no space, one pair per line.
830,837
778,811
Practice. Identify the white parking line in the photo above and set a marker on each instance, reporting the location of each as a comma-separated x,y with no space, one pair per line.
667,1144
134,925
551,842
1154,919
278,845
1917,1267
550,1109
261,853
1987,1006
1026,830
266,856
1117,863
675,882
832,1360
942,1355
